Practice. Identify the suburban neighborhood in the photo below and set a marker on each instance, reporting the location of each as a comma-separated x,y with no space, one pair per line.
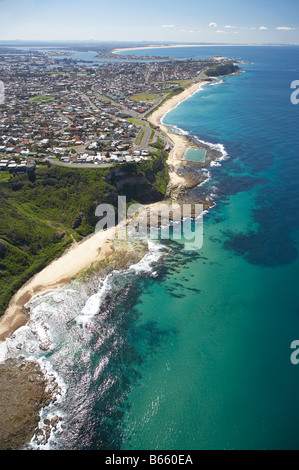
70,112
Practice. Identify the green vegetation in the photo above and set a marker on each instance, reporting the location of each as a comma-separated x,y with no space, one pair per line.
146,97
173,92
39,219
61,74
42,98
152,135
157,170
159,144
154,172
222,69
182,83
5,176
43,213
137,122
140,138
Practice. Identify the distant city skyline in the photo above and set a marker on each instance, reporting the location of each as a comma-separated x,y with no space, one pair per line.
232,21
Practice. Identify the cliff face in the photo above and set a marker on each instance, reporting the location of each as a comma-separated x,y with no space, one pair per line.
145,183
41,218
222,69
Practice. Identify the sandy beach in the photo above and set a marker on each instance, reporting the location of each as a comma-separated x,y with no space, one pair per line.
97,246
77,258
180,143
165,46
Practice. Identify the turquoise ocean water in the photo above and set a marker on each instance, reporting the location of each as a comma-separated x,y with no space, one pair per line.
191,349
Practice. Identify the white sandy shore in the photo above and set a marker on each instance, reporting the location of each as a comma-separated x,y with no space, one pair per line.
165,46
180,143
96,247
79,257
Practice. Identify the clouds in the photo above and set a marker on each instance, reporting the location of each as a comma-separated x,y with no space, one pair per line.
285,28
227,29
167,20
189,31
279,28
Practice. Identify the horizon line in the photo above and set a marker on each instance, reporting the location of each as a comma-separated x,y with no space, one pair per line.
152,43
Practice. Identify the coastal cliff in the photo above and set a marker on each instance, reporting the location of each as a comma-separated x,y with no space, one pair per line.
46,216
228,68
41,219
145,183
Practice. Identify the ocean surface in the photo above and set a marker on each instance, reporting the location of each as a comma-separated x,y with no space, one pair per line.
191,349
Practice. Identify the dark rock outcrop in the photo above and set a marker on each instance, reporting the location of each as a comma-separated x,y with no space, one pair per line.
24,392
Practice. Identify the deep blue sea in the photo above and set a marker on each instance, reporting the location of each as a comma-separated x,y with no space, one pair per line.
191,349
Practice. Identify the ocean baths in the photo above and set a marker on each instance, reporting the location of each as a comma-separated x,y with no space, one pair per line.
195,155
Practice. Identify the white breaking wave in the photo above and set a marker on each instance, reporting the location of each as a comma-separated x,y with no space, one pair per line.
176,130
52,311
46,432
218,82
102,365
218,147
93,304
54,335
207,175
154,254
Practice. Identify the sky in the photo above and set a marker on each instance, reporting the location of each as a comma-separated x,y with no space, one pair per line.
189,21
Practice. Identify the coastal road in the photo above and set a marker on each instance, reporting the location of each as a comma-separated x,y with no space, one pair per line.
147,130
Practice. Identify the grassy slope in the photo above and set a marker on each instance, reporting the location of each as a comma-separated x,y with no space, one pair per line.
222,69
39,219
41,216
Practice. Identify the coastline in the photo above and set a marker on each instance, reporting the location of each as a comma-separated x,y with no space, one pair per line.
163,46
180,142
97,246
59,272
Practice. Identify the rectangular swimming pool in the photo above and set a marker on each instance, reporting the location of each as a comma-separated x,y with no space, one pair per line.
195,155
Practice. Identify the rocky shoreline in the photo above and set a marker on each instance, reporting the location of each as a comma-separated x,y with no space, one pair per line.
24,392
25,389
